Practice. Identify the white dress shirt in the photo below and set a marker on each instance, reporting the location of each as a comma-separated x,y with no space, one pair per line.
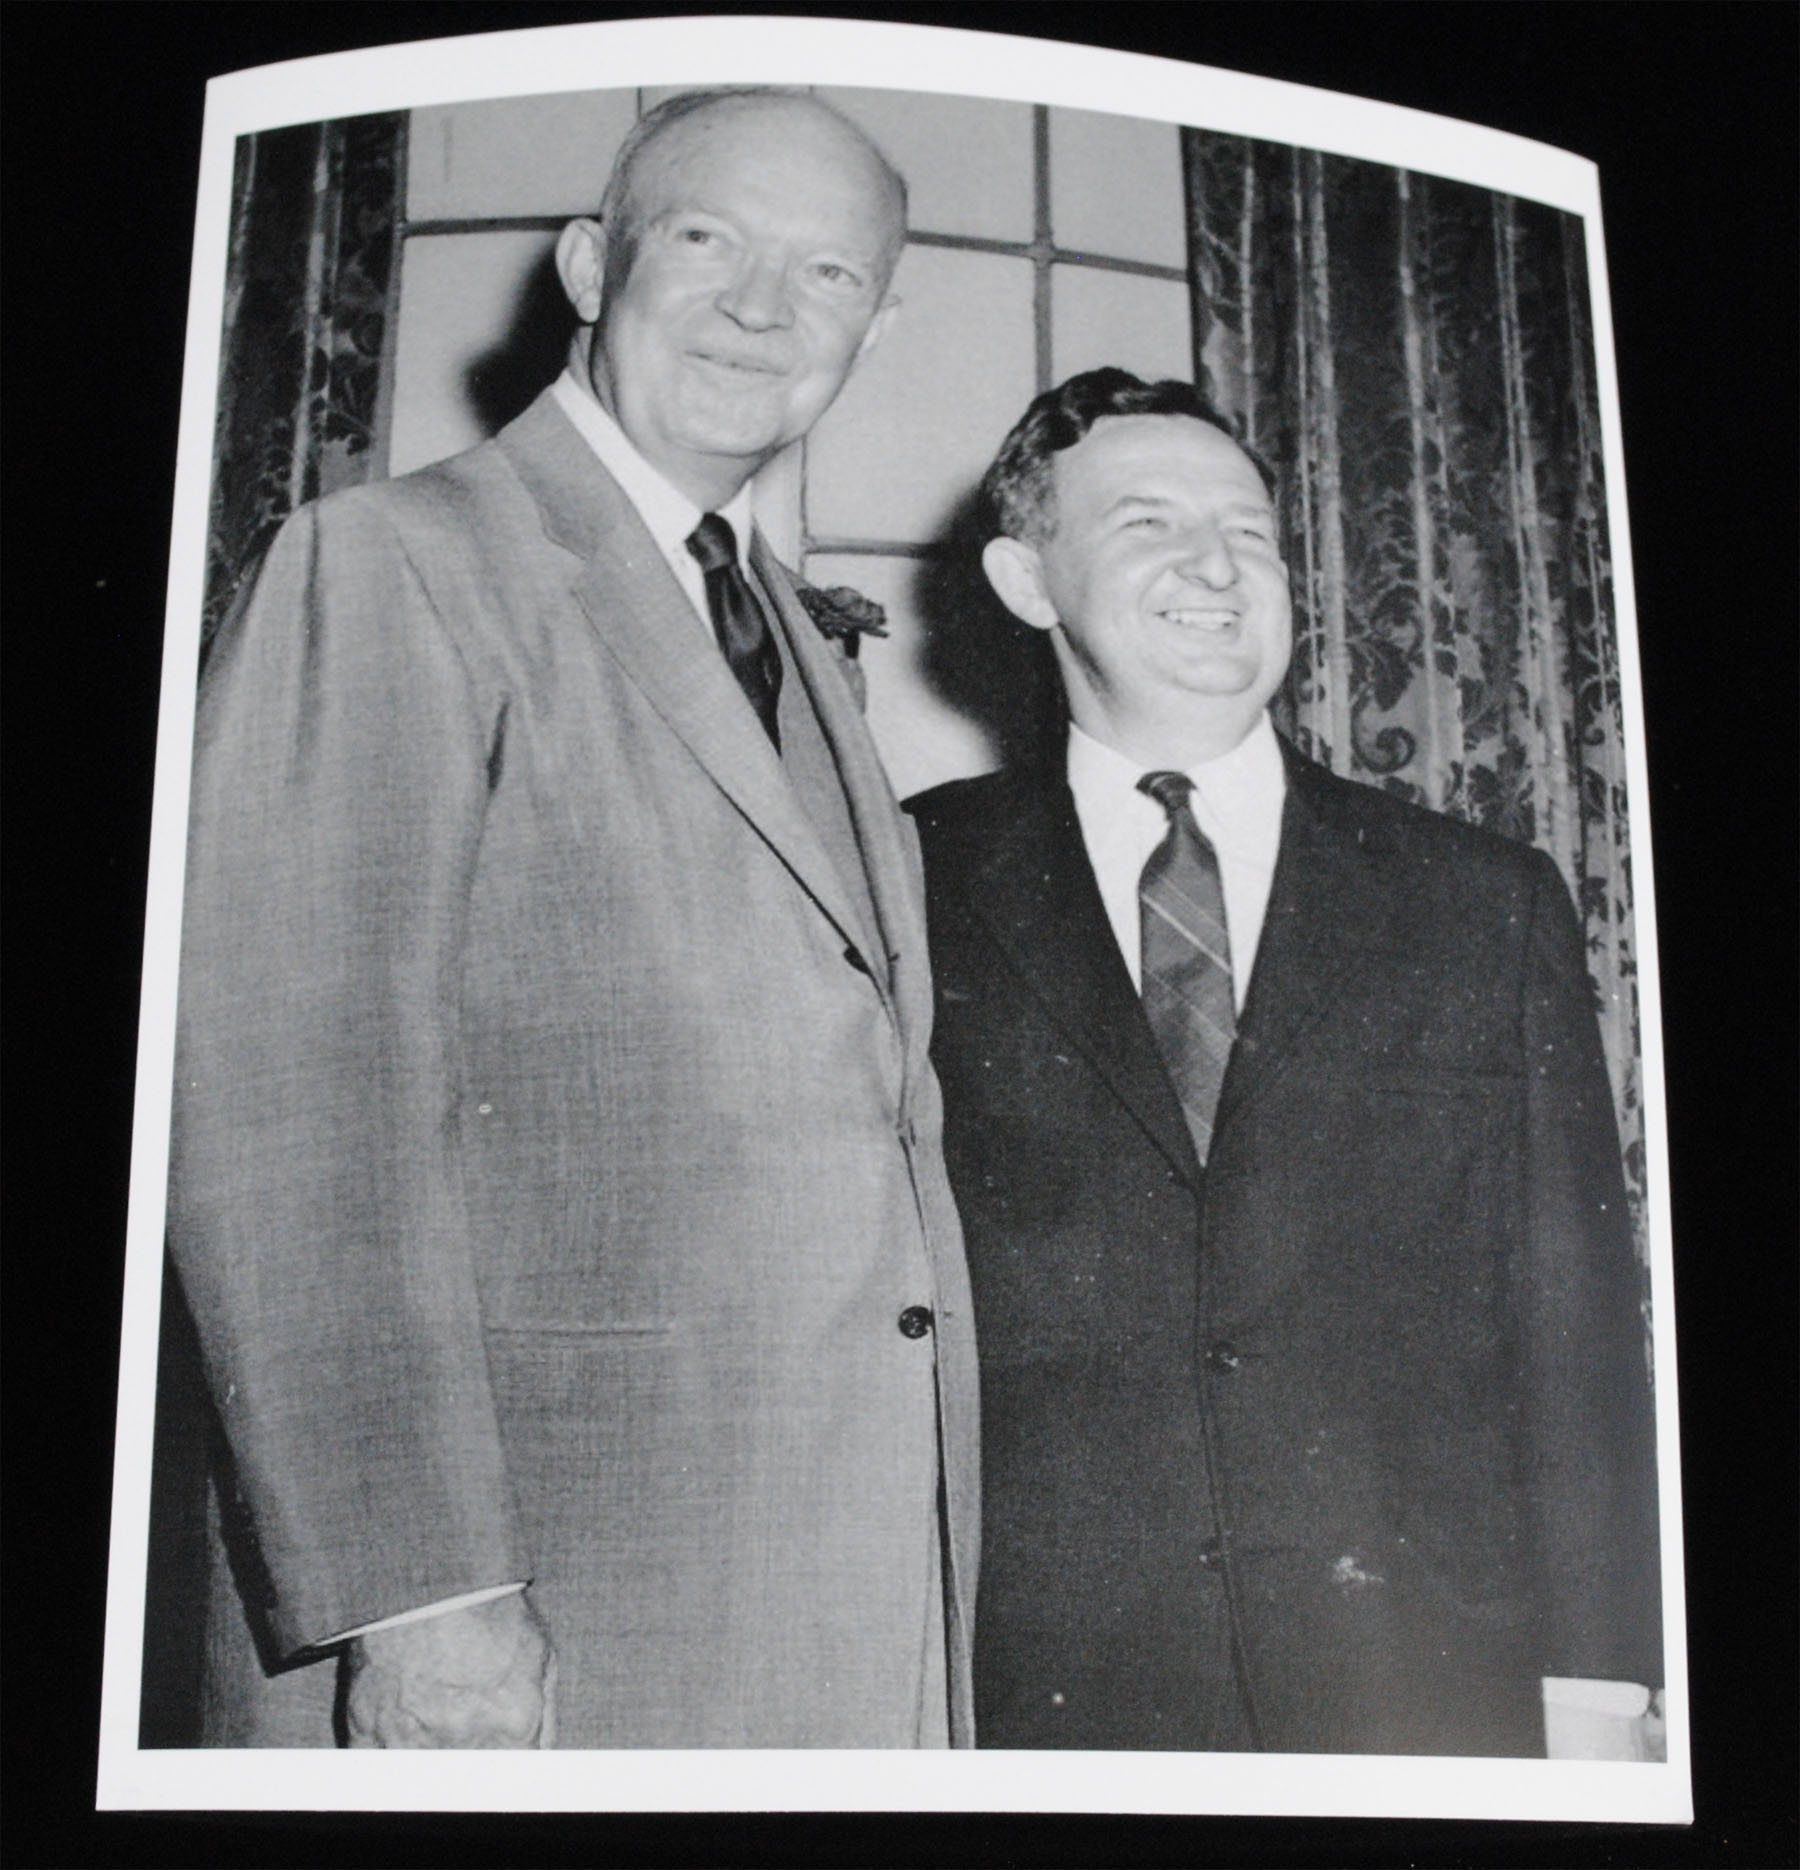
670,516
668,513
1237,799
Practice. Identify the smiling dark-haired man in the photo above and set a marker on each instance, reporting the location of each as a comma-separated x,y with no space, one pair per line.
557,1183
1315,1414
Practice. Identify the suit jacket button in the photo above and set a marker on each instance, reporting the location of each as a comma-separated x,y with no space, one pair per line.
1222,1358
915,1321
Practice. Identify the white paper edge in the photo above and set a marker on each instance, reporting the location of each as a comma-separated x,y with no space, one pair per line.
747,50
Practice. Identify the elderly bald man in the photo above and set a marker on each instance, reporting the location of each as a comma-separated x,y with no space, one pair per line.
557,1179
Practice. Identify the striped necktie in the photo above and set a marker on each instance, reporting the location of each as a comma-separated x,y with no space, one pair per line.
738,620
1186,956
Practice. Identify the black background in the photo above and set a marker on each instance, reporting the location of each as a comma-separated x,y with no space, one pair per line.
1690,113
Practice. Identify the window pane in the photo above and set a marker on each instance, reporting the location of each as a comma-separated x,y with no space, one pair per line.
514,155
1115,187
1098,318
920,420
477,339
967,160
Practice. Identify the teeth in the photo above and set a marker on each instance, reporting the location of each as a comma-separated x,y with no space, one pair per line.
1203,619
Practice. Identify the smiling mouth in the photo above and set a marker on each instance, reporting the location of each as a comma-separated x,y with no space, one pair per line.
1210,619
734,366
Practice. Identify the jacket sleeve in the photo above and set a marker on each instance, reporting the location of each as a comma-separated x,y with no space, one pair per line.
316,1215
1587,1384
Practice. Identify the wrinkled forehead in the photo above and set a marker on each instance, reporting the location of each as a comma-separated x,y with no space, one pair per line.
784,148
1157,456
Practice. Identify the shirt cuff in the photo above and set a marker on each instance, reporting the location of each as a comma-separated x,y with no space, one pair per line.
467,1601
1586,1719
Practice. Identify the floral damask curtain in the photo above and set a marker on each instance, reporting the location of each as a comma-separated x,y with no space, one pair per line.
314,221
1415,358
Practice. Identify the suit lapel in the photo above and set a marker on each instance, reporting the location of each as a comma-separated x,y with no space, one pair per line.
1326,915
644,620
895,947
1035,890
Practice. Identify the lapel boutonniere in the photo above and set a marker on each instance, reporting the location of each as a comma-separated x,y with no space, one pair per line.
842,612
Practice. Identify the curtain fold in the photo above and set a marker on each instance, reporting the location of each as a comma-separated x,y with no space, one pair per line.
1415,359
314,237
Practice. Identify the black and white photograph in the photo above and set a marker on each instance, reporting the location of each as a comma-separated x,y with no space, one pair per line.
901,989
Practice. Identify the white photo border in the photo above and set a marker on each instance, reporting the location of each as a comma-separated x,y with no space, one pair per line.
740,49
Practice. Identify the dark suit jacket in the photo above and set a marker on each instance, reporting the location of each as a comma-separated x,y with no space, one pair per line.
1343,1442
556,1147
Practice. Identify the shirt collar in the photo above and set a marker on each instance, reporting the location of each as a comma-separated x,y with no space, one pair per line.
1241,792
668,513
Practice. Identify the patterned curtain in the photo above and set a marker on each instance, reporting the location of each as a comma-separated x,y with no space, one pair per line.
314,219
1414,357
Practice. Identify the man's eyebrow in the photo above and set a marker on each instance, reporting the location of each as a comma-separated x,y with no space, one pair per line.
1237,509
1137,499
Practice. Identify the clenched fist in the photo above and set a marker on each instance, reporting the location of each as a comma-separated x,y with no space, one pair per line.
482,1677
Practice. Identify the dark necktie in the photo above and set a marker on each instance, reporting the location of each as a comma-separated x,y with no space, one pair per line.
738,620
1186,955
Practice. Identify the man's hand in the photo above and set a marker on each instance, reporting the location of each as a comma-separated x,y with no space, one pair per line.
482,1677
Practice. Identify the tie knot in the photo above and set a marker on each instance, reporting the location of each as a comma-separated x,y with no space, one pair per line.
1169,790
713,543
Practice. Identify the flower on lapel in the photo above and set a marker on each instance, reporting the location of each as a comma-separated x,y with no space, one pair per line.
841,611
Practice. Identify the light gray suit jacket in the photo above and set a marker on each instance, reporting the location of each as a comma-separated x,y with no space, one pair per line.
556,1148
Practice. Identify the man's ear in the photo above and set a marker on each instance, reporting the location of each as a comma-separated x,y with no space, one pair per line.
1016,572
581,266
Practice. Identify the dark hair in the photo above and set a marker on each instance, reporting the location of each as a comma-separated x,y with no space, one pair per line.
1020,488
617,206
